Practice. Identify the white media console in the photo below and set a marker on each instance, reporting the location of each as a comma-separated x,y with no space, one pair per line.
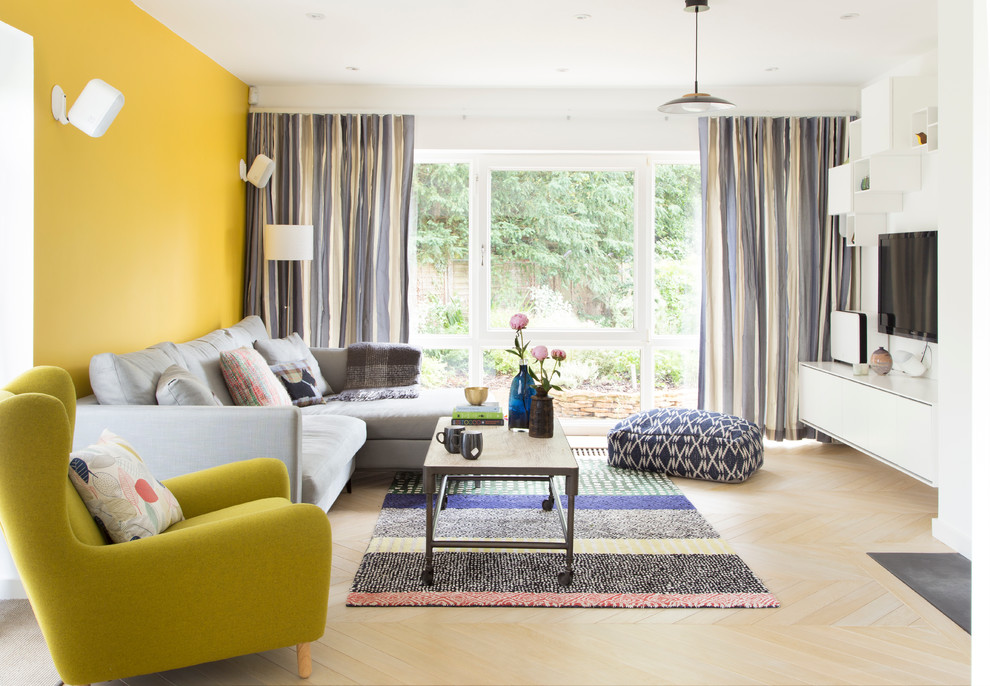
891,418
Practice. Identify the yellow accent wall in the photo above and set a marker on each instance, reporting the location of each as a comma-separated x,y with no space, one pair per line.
139,234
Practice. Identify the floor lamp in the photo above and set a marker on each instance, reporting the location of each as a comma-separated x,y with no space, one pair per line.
287,243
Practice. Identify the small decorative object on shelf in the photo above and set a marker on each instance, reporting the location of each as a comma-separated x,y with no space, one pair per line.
864,185
541,414
881,361
520,390
922,137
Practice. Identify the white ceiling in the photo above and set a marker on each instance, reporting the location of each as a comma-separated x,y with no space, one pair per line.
541,43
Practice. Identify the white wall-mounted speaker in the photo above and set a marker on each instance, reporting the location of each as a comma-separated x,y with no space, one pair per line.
96,107
94,110
848,337
260,172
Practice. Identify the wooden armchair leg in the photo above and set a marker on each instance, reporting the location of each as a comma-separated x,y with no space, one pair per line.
304,660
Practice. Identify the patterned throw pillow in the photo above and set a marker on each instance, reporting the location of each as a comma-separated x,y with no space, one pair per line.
249,379
299,381
289,349
119,491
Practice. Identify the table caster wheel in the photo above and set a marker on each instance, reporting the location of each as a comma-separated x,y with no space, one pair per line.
548,504
427,577
565,578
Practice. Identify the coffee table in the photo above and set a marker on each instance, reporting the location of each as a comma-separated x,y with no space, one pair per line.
506,456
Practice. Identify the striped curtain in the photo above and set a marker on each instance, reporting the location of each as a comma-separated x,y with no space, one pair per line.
350,176
774,264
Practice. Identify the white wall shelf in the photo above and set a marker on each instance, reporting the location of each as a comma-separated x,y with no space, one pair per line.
925,121
886,107
883,148
863,229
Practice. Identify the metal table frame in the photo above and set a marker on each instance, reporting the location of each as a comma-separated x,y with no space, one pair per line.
436,501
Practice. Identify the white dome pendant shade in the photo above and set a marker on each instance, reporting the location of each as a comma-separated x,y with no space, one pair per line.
696,102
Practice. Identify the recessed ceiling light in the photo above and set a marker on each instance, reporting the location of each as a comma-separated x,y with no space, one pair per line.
849,15
563,69
316,16
352,68
582,17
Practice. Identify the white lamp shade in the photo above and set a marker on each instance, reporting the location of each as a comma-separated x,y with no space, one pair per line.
288,242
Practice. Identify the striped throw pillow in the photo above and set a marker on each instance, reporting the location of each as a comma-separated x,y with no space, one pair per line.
249,379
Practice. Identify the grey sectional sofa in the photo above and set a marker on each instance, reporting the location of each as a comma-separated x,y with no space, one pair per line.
320,444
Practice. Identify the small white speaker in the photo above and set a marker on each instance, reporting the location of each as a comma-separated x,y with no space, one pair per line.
96,107
848,338
260,172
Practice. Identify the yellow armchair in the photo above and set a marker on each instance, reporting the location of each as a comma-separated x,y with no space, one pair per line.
246,571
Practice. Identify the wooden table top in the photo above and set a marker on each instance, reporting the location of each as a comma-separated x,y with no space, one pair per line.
505,452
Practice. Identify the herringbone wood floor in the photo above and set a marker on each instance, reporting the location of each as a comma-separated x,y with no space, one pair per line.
804,523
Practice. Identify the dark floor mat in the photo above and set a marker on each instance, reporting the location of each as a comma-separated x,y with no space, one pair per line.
943,579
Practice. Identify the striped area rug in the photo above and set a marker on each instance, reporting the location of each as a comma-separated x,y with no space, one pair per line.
638,543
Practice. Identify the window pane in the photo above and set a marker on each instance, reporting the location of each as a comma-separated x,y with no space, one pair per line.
677,283
675,379
442,286
497,369
444,368
562,248
599,384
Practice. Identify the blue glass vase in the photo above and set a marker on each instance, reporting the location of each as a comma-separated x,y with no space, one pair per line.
520,393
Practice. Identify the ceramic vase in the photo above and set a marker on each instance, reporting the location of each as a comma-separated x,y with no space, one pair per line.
881,361
541,415
520,394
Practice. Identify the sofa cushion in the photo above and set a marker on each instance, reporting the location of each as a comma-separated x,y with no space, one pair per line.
119,490
382,365
328,448
249,379
397,419
298,381
131,378
247,331
289,349
177,386
201,356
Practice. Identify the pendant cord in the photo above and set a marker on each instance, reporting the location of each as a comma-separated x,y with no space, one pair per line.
696,13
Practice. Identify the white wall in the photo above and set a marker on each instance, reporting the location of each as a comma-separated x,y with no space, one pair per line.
959,429
505,119
16,229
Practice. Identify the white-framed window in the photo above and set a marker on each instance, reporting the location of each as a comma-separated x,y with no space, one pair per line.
600,251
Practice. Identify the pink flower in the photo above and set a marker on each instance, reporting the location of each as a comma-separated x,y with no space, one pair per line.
540,352
558,354
518,321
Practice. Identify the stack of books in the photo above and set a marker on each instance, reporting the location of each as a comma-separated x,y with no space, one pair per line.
486,414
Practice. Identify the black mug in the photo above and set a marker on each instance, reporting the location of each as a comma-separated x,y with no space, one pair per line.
471,445
451,438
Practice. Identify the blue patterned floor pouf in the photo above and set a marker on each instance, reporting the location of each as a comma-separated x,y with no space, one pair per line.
689,443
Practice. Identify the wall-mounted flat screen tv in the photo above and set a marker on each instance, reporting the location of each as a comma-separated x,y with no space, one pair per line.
908,288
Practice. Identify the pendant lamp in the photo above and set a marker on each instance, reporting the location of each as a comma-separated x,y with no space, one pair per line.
695,103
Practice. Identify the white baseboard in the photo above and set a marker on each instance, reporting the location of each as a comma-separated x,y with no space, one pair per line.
12,589
952,537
